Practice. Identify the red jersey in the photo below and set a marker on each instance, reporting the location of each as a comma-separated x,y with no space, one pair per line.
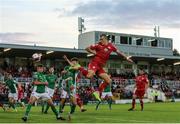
141,82
102,52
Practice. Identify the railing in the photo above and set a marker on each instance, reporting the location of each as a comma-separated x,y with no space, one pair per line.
116,81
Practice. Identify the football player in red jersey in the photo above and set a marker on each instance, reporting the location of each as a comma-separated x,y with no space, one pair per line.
141,86
101,52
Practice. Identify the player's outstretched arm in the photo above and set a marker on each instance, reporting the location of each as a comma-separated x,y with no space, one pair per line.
65,58
119,53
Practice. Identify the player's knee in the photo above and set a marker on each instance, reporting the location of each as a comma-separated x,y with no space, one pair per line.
134,96
89,75
108,81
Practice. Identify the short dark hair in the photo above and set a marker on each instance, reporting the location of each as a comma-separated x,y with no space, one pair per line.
40,65
74,59
142,69
104,35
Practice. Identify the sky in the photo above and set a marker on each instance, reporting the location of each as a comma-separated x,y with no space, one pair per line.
55,22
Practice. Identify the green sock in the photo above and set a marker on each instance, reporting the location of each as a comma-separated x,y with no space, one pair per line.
12,105
73,107
60,107
63,106
97,106
28,110
54,110
47,107
96,95
43,105
110,103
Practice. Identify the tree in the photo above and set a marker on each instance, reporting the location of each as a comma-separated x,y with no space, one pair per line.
176,52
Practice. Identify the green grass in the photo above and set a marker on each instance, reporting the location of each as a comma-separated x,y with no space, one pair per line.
153,113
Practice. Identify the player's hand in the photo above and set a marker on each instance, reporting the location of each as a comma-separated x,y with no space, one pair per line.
65,57
129,59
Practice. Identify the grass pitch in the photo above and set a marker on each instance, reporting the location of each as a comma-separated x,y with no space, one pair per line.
153,113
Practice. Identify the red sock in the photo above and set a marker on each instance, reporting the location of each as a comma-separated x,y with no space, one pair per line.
142,104
133,103
83,71
79,103
102,86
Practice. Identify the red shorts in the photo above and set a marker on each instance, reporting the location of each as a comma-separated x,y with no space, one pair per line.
140,93
96,67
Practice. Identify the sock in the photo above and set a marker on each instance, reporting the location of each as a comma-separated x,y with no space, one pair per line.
54,110
97,96
61,107
133,103
28,110
97,106
102,86
110,103
83,71
22,104
43,104
47,107
79,103
142,104
12,105
73,106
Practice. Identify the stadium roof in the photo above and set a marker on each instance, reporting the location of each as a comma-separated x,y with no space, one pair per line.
14,50
27,51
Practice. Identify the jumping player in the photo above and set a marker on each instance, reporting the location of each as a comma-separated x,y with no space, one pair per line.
101,52
141,86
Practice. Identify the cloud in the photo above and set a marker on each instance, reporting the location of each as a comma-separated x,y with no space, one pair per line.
17,38
129,13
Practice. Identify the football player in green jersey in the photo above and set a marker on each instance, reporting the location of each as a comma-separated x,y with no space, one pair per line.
72,83
40,91
51,79
13,93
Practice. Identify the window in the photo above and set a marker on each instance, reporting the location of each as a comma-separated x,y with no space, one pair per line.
154,43
168,44
130,40
124,40
112,38
139,41
161,43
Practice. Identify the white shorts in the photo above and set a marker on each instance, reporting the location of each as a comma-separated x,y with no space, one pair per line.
104,94
13,95
43,96
50,92
64,94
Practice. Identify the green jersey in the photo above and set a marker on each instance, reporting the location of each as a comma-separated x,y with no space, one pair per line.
68,85
51,79
38,76
11,85
107,89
